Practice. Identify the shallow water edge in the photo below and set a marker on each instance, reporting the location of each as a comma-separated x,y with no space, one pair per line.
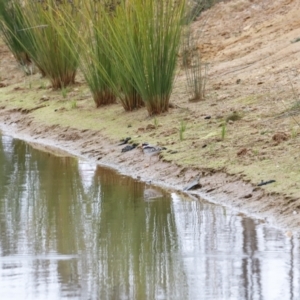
217,186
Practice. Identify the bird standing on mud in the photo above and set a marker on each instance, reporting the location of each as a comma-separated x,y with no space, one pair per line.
151,150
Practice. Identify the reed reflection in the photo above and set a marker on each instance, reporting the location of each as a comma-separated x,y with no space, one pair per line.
134,243
124,243
36,219
227,256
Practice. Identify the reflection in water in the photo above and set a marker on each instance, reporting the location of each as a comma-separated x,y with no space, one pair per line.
71,230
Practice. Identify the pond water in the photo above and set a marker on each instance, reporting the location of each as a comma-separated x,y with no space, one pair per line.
72,230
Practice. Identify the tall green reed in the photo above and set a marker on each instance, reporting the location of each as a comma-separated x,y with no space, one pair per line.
11,20
195,69
129,49
121,33
109,28
96,59
145,35
48,47
103,67
182,129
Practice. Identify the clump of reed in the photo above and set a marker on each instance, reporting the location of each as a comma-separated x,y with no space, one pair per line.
96,59
103,70
143,41
121,33
126,49
130,51
195,69
51,45
11,21
47,47
150,43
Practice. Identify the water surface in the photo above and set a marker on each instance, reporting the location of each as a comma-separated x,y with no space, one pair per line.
71,230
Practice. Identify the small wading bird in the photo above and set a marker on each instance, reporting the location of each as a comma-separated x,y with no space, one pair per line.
151,150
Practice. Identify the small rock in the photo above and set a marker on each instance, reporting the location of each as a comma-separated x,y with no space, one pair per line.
129,147
248,196
150,127
266,182
45,98
280,137
242,152
235,116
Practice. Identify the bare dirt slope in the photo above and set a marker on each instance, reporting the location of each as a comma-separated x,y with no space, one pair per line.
254,70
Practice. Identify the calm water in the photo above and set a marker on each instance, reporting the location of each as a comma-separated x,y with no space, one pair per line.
70,230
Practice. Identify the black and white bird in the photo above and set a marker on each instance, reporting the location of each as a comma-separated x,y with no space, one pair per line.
151,150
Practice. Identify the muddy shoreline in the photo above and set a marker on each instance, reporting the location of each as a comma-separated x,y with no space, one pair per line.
217,186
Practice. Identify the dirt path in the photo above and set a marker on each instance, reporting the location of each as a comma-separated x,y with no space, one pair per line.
253,53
